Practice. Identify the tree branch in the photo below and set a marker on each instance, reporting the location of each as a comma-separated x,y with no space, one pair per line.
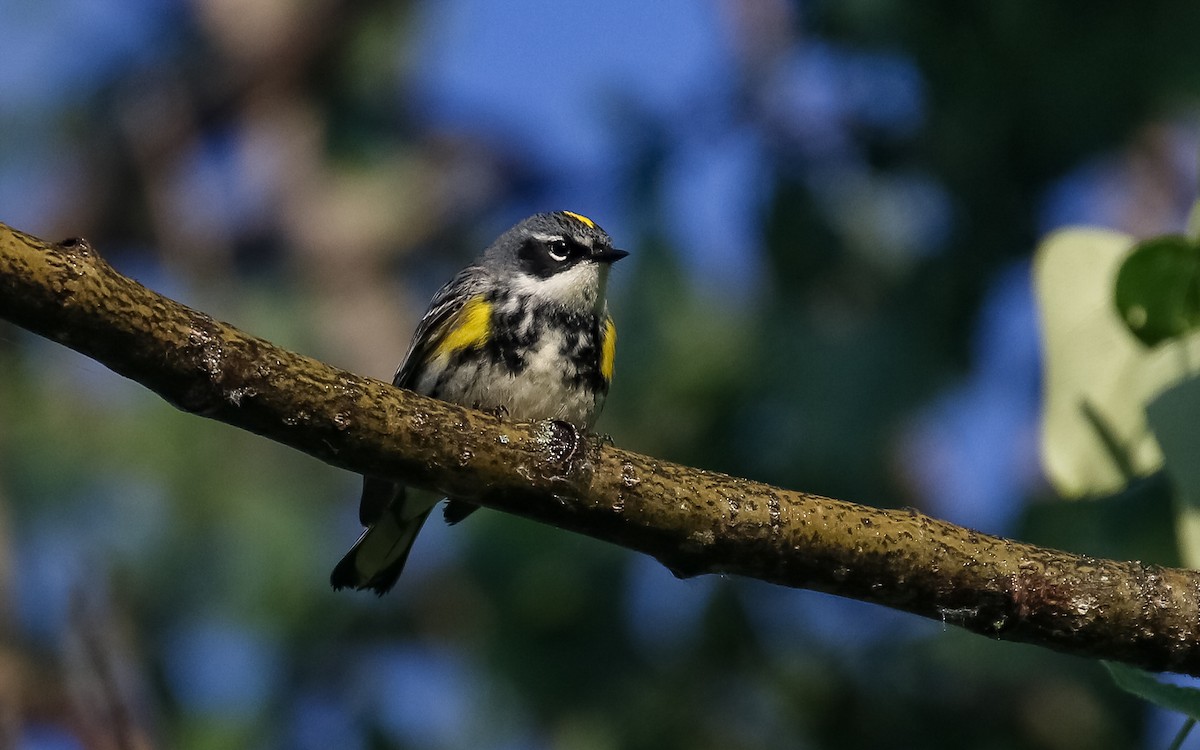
692,521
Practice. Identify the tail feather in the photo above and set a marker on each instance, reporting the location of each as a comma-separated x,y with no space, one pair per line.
456,510
377,495
377,558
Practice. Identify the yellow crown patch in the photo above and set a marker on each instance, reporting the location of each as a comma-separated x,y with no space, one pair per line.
581,219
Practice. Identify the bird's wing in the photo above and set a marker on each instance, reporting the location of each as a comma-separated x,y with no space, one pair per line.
437,322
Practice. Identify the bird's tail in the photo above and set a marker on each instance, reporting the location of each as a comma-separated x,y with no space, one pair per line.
377,558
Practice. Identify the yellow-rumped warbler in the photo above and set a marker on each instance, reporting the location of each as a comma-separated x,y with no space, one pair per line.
524,330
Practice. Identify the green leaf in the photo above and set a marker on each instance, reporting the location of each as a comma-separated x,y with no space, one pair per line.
1098,376
1094,435
1173,416
1185,700
1158,289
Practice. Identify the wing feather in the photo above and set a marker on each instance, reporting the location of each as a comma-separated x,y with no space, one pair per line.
468,283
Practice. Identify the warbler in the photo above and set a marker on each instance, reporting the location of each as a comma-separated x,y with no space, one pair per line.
523,331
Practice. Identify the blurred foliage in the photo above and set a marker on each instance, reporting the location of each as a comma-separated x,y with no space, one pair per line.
1172,417
1185,700
1158,289
1122,400
831,209
1098,376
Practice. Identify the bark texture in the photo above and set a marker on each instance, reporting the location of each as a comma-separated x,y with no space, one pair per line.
691,520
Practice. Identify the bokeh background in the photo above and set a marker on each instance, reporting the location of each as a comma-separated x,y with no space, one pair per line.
831,208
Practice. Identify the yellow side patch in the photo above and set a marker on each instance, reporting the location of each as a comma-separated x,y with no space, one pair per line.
608,349
581,219
470,327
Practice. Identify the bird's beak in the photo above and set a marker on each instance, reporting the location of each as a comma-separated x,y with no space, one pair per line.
608,255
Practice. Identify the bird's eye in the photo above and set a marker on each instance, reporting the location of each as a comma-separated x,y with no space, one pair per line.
558,250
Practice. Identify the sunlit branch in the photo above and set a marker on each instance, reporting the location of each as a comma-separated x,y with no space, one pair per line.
693,521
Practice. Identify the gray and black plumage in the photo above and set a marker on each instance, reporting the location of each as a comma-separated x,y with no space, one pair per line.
524,330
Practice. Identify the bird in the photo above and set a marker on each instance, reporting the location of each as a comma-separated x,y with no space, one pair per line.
524,331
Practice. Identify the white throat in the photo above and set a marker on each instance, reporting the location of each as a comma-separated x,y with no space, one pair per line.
580,287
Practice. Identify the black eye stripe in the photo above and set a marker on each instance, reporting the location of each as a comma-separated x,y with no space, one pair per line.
546,256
